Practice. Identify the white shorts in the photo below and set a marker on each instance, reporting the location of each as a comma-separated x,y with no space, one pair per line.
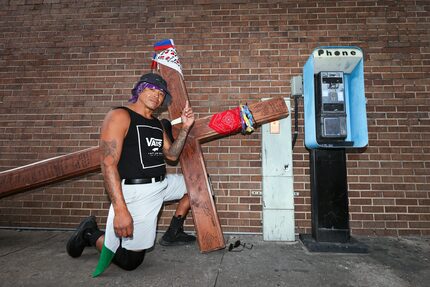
144,202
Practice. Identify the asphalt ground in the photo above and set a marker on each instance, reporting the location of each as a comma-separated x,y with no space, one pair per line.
39,258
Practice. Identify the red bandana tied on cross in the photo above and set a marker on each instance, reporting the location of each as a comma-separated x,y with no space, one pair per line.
226,122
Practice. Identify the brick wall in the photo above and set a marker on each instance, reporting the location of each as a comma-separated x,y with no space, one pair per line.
64,64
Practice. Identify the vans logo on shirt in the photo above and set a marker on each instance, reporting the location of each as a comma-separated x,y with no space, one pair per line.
152,142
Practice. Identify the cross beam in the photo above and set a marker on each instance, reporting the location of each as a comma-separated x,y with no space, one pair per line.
48,171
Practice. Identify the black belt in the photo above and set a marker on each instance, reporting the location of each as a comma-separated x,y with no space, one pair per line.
144,180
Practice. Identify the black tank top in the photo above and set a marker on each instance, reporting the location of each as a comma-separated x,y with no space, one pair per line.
142,151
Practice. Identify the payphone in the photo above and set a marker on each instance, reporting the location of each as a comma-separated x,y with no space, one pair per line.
335,120
330,107
334,100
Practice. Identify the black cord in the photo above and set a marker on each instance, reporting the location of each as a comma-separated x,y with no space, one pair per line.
296,120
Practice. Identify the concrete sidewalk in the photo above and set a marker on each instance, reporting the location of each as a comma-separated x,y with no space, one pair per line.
38,258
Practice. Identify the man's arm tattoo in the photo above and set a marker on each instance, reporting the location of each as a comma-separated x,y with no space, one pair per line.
178,144
108,148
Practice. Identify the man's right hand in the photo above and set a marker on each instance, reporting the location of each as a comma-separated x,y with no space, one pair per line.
123,224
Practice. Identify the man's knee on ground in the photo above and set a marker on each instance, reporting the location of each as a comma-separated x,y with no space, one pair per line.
128,259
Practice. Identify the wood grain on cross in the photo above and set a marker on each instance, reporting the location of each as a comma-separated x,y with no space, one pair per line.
48,171
206,221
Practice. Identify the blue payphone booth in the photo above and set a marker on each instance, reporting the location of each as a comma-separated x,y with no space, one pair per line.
334,100
335,120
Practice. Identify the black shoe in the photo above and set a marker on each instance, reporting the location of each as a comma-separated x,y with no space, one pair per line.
78,241
175,235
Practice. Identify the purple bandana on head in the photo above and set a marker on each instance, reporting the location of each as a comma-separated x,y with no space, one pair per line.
140,88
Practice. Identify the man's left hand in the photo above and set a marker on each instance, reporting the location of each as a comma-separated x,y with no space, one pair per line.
187,116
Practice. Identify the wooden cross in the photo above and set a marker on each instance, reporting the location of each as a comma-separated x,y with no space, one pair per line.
206,221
